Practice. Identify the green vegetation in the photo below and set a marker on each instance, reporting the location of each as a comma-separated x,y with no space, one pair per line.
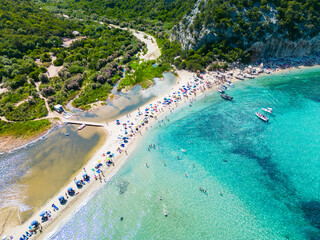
143,74
141,15
91,66
243,22
25,29
24,129
29,110
27,33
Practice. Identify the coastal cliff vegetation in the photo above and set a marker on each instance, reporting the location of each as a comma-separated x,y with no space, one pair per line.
209,31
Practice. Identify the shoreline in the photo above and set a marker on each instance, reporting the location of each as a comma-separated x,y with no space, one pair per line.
23,143
76,202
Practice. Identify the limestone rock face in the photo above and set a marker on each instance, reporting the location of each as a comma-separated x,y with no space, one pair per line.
271,44
280,47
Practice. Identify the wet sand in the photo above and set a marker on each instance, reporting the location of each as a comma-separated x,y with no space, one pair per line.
47,171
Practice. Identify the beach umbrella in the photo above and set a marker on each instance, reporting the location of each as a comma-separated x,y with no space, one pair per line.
79,182
99,161
43,213
98,171
34,223
93,170
124,138
84,175
70,189
60,199
108,152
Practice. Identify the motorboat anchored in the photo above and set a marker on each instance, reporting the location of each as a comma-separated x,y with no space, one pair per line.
225,96
262,117
230,84
269,110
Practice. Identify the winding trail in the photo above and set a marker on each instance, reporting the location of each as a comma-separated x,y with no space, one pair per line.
45,99
152,46
4,119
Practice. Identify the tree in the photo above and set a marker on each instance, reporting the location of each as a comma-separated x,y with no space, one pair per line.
43,78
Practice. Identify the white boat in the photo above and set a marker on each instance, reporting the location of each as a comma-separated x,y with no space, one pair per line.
81,127
248,76
230,84
220,90
240,77
269,110
262,117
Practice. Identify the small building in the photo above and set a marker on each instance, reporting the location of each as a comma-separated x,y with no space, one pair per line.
58,108
76,33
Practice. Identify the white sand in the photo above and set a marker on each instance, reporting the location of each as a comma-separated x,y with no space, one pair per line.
112,142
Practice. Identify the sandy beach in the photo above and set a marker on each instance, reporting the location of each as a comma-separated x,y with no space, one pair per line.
115,133
188,88
111,144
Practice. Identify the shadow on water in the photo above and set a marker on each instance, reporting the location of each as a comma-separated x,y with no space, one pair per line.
311,211
122,186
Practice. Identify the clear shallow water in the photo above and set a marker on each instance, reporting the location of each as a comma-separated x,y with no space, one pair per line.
32,175
262,179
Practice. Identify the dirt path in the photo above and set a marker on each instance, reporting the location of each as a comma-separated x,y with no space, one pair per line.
4,119
45,100
53,70
23,101
3,90
152,46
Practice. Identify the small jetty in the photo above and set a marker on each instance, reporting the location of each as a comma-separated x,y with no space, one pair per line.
83,123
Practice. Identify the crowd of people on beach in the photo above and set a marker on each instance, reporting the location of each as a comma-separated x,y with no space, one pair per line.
130,126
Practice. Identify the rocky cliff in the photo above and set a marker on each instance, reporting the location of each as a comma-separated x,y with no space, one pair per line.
281,47
255,28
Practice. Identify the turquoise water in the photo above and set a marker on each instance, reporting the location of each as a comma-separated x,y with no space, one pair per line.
262,179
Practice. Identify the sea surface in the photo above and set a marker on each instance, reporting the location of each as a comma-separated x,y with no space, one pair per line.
261,179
